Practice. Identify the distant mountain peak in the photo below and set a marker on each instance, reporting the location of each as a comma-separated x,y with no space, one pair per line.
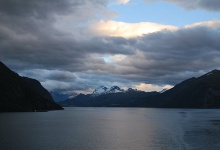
196,92
131,90
104,90
99,91
115,89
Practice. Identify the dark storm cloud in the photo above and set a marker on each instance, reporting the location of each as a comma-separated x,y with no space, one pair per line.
38,9
51,53
33,45
89,80
168,57
34,16
29,38
211,5
108,45
49,74
42,9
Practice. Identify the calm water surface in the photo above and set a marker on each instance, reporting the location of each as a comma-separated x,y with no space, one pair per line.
111,129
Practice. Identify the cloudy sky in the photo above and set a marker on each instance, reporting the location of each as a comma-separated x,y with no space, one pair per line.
76,46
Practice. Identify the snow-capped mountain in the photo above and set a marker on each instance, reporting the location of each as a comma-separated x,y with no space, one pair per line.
132,90
115,89
99,91
104,90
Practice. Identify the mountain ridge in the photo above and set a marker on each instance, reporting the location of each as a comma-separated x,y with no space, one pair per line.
101,90
200,92
23,94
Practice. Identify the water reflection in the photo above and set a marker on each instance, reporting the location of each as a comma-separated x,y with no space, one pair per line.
112,129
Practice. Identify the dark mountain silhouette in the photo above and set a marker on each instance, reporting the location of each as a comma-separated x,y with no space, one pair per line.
37,87
22,93
201,92
129,98
80,100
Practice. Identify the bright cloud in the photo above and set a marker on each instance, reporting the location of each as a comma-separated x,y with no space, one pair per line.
151,87
117,58
131,30
127,30
213,24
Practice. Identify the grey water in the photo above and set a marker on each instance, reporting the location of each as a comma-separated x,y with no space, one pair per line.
111,129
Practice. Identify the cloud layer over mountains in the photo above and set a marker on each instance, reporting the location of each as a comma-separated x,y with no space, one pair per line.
58,43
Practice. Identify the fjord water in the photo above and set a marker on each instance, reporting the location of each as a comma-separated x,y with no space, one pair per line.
111,129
